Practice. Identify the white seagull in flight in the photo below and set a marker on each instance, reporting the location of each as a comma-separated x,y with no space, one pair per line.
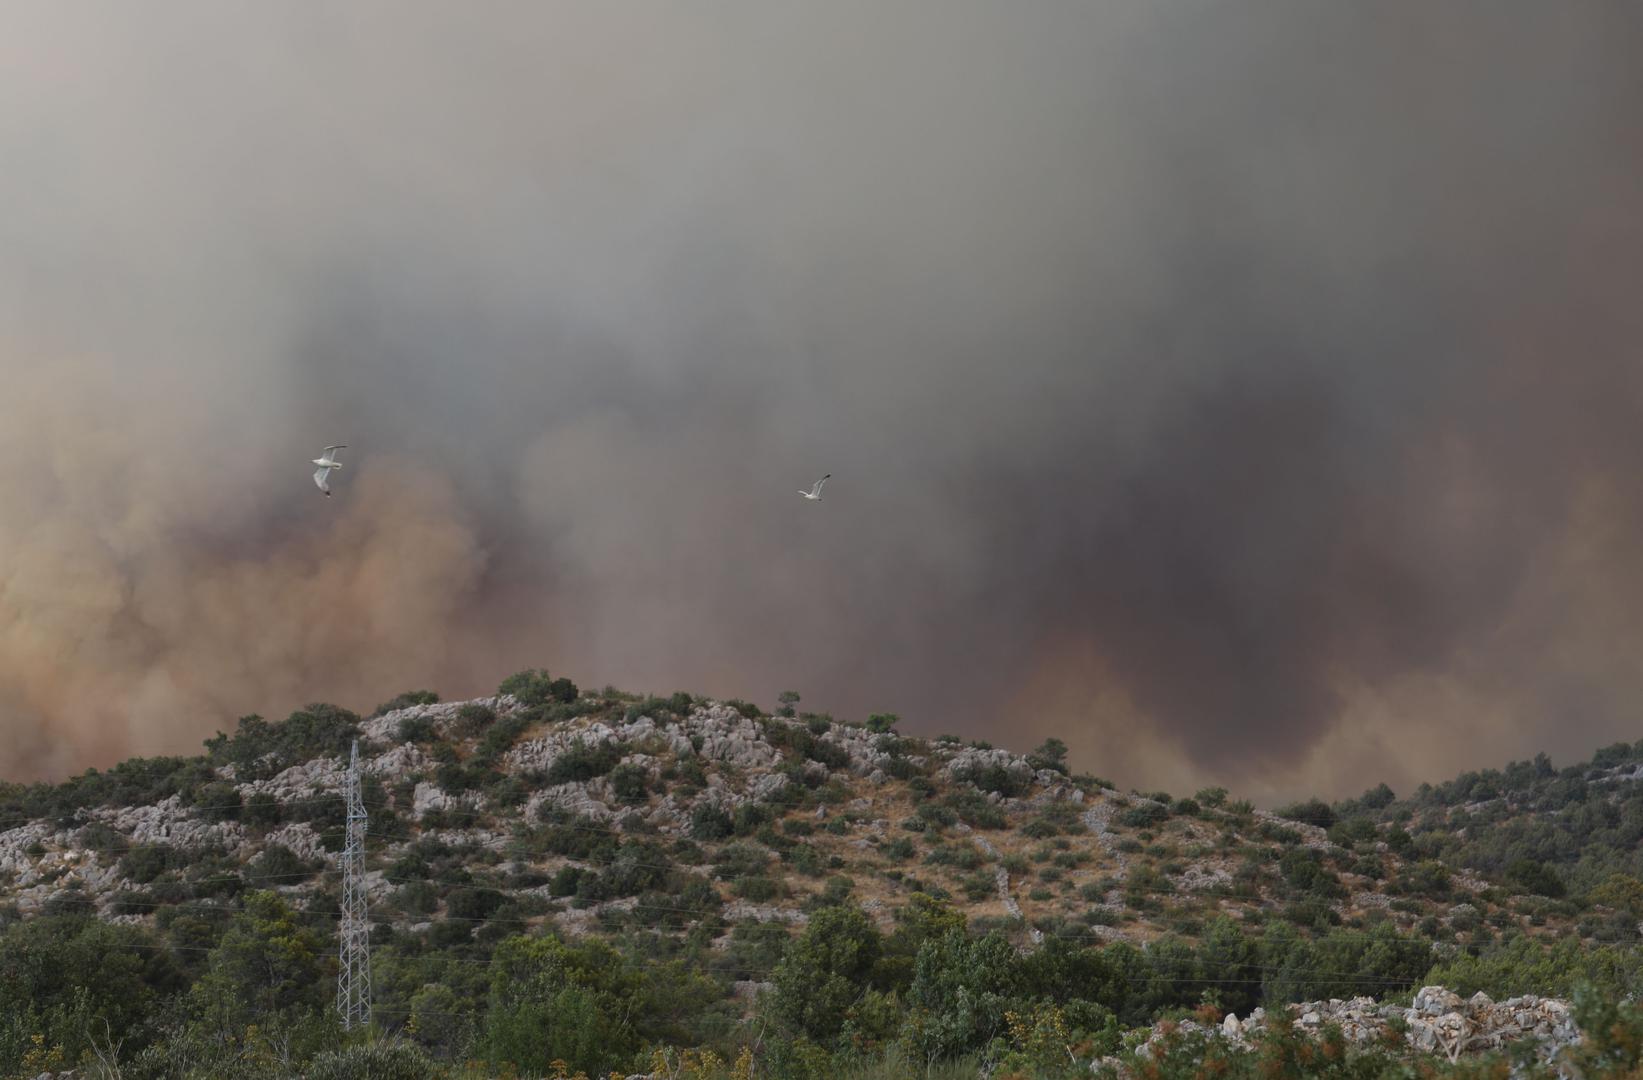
326,462
815,493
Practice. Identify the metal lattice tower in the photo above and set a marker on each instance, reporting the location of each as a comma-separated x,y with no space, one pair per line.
354,962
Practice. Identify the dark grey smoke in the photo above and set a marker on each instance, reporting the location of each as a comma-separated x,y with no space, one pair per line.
1240,394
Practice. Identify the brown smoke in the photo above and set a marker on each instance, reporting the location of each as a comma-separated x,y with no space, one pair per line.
1242,396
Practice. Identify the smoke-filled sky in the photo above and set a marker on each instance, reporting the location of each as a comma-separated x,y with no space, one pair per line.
1244,393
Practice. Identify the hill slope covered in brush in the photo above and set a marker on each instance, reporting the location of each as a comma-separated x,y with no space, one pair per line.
589,877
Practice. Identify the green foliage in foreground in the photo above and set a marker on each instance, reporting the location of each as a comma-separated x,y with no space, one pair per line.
242,990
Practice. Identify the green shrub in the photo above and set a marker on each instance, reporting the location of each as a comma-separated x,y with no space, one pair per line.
976,810
1039,829
741,859
1143,815
1312,812
499,738
565,881
900,849
934,815
132,902
473,718
630,783
756,889
962,987
1306,873
748,818
258,747
978,886
406,701
448,934
994,778
900,768
534,687
709,822
457,777
145,862
691,774
961,856
99,836
582,762
475,904
825,971
1051,754
218,801
277,865
1535,877
806,860
1428,878
1349,832
836,893
416,729
828,753
440,1018
261,810
416,898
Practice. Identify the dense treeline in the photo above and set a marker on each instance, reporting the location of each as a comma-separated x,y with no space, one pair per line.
244,988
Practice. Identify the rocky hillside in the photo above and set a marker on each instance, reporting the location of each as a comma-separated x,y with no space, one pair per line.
595,878
587,810
1568,834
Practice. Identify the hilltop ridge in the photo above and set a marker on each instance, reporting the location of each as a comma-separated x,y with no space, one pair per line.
715,838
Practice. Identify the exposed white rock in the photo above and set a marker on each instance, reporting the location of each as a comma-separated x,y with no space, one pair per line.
972,759
300,837
400,760
573,798
14,845
319,776
1436,1001
737,910
429,797
385,728
1439,1023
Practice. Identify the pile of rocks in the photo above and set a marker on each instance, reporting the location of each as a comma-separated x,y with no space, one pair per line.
1438,1021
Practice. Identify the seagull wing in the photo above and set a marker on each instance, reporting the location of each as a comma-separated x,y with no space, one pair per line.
822,481
321,474
339,446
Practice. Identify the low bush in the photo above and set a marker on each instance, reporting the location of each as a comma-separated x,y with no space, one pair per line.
582,762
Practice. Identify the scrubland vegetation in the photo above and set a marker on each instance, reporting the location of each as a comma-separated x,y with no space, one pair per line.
571,882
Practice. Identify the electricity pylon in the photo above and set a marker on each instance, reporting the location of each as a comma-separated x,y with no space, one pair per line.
354,961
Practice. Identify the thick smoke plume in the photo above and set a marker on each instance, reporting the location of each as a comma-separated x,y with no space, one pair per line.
1242,394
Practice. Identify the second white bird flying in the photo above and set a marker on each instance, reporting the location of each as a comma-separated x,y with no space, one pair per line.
326,462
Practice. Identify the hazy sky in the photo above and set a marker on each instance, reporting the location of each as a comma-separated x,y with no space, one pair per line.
1244,393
